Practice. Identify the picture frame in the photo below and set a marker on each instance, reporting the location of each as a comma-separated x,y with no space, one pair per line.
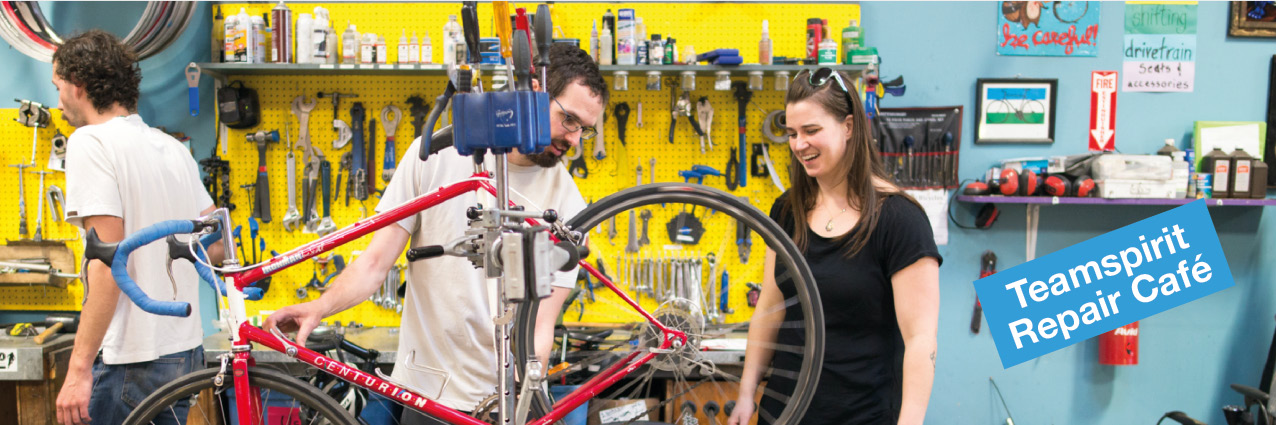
1244,20
1015,110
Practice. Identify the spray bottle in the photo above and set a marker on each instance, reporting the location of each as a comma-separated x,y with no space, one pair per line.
593,42
764,45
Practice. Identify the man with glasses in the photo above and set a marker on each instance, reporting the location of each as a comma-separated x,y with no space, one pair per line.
448,308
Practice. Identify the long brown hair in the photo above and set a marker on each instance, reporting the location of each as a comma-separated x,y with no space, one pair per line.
861,162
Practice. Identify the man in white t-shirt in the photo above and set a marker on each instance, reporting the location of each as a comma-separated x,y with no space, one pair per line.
122,176
447,317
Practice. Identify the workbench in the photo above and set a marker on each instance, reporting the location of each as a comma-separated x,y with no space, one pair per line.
31,375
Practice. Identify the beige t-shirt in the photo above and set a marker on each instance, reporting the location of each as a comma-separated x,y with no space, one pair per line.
124,168
448,308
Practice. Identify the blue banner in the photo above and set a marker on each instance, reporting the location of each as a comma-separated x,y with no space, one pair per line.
1104,283
1062,28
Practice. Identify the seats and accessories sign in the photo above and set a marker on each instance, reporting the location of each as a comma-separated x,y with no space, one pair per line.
1104,283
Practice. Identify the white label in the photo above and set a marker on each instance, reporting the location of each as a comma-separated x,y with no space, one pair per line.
623,413
8,360
1241,187
1221,170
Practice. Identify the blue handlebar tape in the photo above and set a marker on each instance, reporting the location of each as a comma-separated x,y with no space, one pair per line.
119,270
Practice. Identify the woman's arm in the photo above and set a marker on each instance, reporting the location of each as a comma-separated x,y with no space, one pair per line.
764,327
916,290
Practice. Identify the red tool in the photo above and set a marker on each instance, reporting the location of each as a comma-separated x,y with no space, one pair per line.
987,266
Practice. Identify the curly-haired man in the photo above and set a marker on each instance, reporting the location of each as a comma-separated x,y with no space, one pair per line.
122,176
447,320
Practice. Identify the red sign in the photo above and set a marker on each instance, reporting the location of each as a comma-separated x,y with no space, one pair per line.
1103,88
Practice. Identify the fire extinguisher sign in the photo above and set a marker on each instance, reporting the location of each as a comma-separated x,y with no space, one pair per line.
1104,283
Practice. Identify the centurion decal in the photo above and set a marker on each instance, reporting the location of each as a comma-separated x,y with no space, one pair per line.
370,382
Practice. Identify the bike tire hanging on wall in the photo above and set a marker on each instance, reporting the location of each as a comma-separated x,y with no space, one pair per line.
24,26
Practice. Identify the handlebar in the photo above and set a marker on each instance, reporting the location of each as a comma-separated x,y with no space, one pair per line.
116,256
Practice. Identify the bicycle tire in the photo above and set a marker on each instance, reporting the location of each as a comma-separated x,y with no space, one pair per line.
806,298
187,387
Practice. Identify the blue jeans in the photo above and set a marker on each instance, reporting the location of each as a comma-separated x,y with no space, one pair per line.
117,389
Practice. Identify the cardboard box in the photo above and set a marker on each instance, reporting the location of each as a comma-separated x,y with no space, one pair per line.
1120,188
621,410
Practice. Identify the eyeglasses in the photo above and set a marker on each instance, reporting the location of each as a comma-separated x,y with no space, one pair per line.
822,76
572,124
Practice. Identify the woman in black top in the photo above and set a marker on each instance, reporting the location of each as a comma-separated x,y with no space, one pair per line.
865,241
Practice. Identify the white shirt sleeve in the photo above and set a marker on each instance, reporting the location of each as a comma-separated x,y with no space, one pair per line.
202,198
92,186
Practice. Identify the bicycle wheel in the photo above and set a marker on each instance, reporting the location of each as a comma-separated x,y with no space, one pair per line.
301,403
1034,112
687,369
999,112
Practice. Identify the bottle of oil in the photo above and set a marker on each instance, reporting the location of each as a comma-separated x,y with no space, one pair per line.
1218,165
1242,173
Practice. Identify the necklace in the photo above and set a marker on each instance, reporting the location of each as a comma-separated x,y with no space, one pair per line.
829,226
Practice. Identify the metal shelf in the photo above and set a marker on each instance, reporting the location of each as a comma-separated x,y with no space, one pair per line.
1052,200
222,70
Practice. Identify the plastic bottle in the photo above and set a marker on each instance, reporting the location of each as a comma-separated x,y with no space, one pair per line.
609,24
331,34
403,49
656,53
828,52
450,31
626,51
243,39
350,44
1259,181
689,55
257,34
605,47
367,48
218,45
671,51
230,31
305,27
641,45
593,43
764,45
321,42
1180,173
1218,165
427,50
850,40
1242,172
382,53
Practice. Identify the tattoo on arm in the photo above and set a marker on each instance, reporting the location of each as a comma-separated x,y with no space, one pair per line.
932,359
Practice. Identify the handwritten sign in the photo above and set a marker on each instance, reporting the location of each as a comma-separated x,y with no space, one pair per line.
8,360
1104,283
1159,48
1048,28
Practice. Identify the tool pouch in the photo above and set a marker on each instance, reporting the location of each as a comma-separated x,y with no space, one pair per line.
238,106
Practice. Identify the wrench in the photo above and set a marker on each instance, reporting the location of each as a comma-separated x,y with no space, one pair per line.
633,229
291,218
301,110
599,139
344,134
387,165
311,195
39,219
622,117
56,201
326,225
646,215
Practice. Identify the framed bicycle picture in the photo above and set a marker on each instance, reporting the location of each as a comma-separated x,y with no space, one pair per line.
1015,110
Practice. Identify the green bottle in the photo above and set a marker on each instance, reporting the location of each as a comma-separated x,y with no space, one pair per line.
852,38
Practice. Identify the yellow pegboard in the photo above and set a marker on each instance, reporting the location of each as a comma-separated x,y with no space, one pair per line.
703,25
16,141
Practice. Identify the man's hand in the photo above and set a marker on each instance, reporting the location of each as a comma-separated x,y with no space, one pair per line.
742,412
302,318
73,399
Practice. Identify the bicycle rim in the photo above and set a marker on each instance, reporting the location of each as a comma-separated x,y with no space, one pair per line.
287,399
685,371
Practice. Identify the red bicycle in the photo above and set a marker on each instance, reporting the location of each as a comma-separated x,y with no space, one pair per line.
522,247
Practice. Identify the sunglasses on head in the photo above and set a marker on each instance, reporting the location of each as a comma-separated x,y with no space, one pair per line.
822,76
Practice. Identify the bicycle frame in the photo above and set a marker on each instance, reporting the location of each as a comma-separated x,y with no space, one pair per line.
243,334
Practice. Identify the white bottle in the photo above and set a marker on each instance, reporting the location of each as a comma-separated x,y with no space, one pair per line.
405,48
640,42
381,50
451,31
243,39
764,45
304,27
604,47
230,31
350,44
368,48
426,54
257,38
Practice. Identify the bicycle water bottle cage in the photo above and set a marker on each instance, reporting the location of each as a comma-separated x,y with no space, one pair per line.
95,249
500,122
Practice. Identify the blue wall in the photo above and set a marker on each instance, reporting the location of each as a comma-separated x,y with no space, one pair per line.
1188,355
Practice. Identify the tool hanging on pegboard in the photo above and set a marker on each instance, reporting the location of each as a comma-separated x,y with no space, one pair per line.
391,126
261,205
357,183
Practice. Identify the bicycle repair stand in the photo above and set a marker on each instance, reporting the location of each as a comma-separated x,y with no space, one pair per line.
499,122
